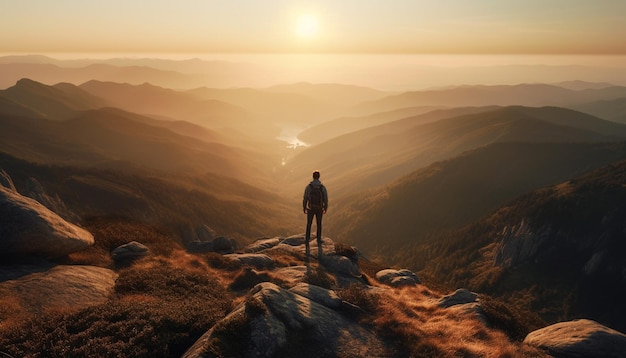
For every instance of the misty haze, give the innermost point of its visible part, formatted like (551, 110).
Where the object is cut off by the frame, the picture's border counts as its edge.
(154, 201)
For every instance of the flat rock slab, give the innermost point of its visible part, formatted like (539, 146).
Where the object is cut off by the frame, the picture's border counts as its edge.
(579, 338)
(63, 286)
(274, 315)
(28, 228)
(258, 261)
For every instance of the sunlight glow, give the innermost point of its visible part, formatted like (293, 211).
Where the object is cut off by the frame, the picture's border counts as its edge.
(307, 26)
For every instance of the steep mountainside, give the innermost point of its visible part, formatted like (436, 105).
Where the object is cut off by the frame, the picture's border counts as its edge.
(377, 155)
(103, 137)
(558, 250)
(180, 203)
(452, 193)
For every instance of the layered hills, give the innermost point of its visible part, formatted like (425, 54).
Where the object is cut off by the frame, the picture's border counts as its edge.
(491, 188)
(455, 192)
(377, 155)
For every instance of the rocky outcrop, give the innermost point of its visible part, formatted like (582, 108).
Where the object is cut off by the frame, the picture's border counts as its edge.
(6, 181)
(61, 287)
(263, 244)
(273, 317)
(130, 251)
(218, 244)
(258, 261)
(29, 228)
(519, 244)
(459, 297)
(579, 338)
(397, 278)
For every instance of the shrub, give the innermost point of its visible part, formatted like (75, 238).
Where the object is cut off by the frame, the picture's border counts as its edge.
(159, 311)
(247, 279)
(218, 261)
(507, 318)
(319, 277)
(359, 296)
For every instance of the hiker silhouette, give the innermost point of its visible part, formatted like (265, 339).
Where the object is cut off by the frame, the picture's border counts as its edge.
(314, 204)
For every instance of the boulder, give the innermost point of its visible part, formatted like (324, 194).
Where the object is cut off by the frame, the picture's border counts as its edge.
(459, 297)
(219, 244)
(579, 338)
(28, 228)
(261, 244)
(67, 287)
(200, 246)
(258, 261)
(293, 240)
(328, 298)
(290, 275)
(279, 322)
(339, 264)
(397, 278)
(224, 245)
(130, 251)
(204, 233)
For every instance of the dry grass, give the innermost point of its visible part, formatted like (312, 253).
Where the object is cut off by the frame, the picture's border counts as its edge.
(162, 306)
(411, 320)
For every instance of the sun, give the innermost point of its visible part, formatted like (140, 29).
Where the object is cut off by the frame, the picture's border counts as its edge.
(307, 26)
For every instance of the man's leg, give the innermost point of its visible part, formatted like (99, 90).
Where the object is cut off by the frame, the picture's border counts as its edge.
(318, 223)
(307, 237)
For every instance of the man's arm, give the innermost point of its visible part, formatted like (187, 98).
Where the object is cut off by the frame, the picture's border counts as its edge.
(325, 192)
(305, 197)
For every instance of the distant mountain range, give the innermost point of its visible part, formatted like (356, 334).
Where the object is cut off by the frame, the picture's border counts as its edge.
(535, 95)
(377, 155)
(404, 171)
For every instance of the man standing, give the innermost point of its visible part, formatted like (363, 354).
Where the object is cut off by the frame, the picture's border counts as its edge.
(314, 203)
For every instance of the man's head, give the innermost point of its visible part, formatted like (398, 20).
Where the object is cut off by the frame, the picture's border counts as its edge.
(316, 175)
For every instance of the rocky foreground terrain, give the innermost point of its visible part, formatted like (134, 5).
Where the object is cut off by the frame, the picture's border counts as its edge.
(281, 302)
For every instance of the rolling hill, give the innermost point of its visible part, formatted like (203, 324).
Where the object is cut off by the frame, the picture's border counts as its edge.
(59, 102)
(344, 125)
(178, 203)
(612, 110)
(157, 101)
(105, 137)
(458, 191)
(375, 156)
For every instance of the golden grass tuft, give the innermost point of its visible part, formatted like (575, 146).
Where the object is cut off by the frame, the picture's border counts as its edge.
(410, 318)
(161, 307)
(12, 312)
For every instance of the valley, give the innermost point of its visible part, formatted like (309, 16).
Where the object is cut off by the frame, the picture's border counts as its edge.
(515, 191)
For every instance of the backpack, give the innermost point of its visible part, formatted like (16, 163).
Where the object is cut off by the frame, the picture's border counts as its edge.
(316, 197)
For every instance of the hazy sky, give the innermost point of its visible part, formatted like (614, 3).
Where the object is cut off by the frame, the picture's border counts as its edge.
(338, 26)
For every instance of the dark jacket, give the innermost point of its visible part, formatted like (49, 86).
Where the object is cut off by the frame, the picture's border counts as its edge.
(307, 192)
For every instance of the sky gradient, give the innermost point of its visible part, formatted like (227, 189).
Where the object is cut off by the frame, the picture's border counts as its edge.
(348, 26)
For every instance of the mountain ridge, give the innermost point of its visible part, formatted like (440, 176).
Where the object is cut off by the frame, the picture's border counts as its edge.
(566, 236)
